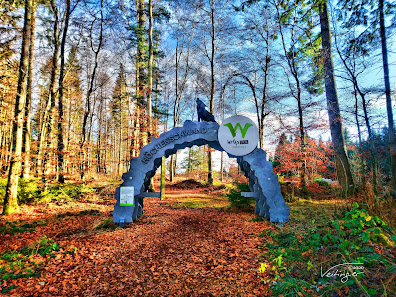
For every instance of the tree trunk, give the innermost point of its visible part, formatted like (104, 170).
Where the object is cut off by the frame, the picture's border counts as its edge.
(140, 64)
(87, 113)
(150, 82)
(163, 177)
(371, 138)
(11, 200)
(42, 137)
(362, 164)
(172, 169)
(344, 173)
(140, 52)
(120, 169)
(291, 61)
(222, 166)
(353, 75)
(99, 142)
(54, 71)
(60, 170)
(27, 125)
(303, 173)
(48, 124)
(212, 85)
(137, 129)
(392, 137)
(265, 88)
(150, 69)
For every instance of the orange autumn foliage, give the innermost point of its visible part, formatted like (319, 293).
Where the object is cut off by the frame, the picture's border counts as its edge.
(290, 158)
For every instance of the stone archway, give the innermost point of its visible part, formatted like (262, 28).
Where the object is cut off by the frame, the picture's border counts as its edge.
(263, 182)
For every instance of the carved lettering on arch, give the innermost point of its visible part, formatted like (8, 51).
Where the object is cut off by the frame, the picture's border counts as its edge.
(147, 156)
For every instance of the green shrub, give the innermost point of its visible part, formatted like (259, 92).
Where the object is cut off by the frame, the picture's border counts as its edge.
(257, 219)
(27, 190)
(50, 194)
(352, 237)
(289, 197)
(73, 190)
(15, 227)
(23, 264)
(3, 185)
(107, 224)
(321, 182)
(58, 192)
(44, 247)
(237, 200)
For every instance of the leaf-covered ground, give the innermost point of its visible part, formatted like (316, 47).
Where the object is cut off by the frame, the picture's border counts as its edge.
(192, 244)
(174, 250)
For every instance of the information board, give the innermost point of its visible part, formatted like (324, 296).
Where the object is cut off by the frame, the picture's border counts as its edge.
(127, 195)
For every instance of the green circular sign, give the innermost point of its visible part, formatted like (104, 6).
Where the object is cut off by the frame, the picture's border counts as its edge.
(238, 135)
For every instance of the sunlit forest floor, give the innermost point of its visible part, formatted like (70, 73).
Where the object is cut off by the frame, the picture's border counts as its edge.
(191, 244)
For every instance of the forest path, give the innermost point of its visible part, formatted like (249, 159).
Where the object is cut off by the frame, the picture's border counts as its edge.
(173, 250)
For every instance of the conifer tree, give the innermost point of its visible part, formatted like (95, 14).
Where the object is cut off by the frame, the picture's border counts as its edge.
(119, 115)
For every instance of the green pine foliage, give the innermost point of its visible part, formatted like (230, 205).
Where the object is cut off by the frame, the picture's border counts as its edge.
(237, 200)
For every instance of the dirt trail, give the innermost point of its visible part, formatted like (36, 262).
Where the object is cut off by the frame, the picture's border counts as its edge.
(170, 251)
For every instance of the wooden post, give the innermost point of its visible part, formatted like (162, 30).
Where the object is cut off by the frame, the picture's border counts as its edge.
(162, 188)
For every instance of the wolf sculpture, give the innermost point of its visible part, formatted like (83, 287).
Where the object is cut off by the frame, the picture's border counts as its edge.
(203, 114)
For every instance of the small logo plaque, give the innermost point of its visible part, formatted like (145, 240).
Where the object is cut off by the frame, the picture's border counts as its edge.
(238, 135)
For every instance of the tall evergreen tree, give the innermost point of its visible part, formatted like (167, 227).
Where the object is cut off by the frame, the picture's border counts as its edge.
(119, 114)
(73, 109)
